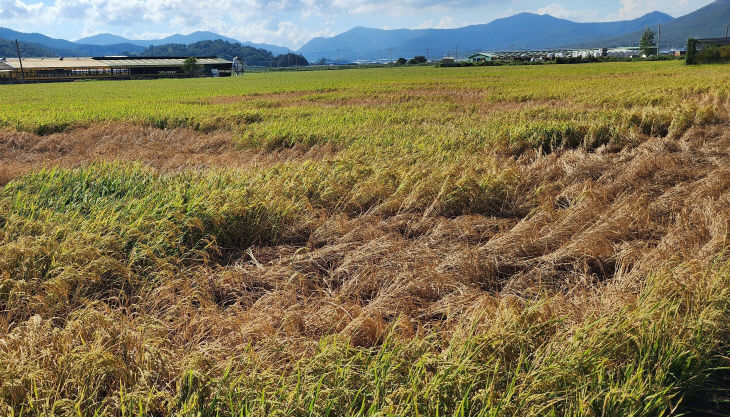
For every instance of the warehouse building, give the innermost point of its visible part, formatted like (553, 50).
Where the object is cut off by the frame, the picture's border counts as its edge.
(481, 57)
(109, 67)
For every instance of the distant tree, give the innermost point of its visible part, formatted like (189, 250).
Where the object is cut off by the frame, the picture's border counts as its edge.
(321, 61)
(646, 44)
(251, 56)
(190, 66)
(290, 60)
(420, 59)
(401, 61)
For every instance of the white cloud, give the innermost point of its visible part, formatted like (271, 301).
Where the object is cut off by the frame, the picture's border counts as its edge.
(16, 9)
(557, 10)
(129, 34)
(446, 22)
(631, 9)
(247, 20)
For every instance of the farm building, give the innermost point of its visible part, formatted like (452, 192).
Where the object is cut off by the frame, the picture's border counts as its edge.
(624, 52)
(481, 57)
(549, 55)
(117, 67)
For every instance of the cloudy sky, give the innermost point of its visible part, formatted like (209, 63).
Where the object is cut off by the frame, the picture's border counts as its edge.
(292, 22)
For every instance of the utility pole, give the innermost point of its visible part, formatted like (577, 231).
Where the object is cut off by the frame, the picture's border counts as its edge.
(658, 39)
(456, 58)
(390, 51)
(727, 28)
(427, 53)
(20, 61)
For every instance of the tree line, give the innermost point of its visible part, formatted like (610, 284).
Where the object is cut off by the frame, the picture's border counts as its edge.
(420, 59)
(251, 56)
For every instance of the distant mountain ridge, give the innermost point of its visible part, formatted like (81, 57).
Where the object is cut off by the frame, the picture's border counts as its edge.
(105, 39)
(62, 47)
(521, 31)
(109, 39)
(708, 22)
(108, 44)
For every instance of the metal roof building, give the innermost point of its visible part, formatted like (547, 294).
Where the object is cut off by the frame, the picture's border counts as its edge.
(110, 67)
(481, 57)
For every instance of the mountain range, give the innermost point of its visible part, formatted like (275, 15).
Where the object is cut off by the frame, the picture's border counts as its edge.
(62, 47)
(521, 31)
(710, 21)
(108, 44)
(108, 39)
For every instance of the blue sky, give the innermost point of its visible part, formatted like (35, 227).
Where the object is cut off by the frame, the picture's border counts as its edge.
(292, 22)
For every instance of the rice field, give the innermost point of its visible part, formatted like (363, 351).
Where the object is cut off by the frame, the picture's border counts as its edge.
(487, 241)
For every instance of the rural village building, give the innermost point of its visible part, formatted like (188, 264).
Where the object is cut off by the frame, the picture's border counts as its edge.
(481, 57)
(541, 55)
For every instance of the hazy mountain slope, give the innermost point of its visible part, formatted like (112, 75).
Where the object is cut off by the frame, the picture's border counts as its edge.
(105, 39)
(63, 47)
(109, 39)
(8, 50)
(37, 38)
(525, 30)
(108, 44)
(708, 22)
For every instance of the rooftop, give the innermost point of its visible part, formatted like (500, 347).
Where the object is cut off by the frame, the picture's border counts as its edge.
(104, 62)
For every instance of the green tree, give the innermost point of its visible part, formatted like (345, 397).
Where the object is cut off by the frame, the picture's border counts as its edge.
(190, 66)
(251, 56)
(401, 61)
(290, 60)
(646, 44)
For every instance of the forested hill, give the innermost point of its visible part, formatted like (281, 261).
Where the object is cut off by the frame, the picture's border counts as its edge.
(7, 49)
(228, 50)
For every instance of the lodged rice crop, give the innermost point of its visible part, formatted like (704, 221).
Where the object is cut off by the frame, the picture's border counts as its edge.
(487, 241)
